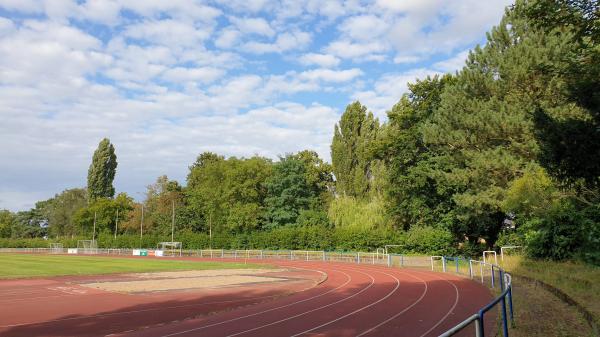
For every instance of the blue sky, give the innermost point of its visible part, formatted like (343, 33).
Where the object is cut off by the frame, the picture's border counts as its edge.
(167, 80)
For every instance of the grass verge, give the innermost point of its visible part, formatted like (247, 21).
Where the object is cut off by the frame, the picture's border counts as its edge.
(538, 309)
(32, 265)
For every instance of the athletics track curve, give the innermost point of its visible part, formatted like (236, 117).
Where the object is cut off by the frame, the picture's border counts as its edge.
(353, 300)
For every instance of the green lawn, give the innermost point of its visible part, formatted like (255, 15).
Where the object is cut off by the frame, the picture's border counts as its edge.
(25, 265)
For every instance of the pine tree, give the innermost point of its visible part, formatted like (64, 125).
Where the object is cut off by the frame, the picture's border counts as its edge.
(102, 172)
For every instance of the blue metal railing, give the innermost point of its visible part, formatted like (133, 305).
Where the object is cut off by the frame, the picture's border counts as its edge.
(505, 297)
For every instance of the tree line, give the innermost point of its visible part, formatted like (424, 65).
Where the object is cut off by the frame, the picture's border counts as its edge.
(504, 151)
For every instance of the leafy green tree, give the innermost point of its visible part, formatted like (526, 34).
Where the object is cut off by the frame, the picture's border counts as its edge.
(6, 222)
(413, 195)
(319, 177)
(102, 171)
(60, 209)
(351, 150)
(227, 194)
(104, 210)
(288, 192)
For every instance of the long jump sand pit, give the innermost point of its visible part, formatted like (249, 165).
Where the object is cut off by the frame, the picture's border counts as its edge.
(186, 280)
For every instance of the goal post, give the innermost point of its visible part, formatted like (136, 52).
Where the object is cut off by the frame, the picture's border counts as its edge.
(56, 248)
(506, 249)
(169, 248)
(87, 246)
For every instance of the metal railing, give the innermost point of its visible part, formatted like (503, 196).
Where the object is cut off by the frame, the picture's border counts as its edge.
(483, 271)
(504, 298)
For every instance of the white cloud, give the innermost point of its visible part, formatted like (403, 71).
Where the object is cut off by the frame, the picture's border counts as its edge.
(228, 38)
(364, 27)
(323, 60)
(284, 42)
(203, 74)
(452, 64)
(329, 75)
(257, 26)
(357, 51)
(168, 33)
(388, 90)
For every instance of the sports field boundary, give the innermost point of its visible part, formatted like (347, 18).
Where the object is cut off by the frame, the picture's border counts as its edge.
(489, 273)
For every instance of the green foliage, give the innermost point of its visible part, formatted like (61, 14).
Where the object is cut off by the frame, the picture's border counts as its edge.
(564, 232)
(530, 195)
(289, 192)
(59, 211)
(104, 212)
(434, 241)
(352, 152)
(6, 223)
(227, 194)
(349, 212)
(102, 171)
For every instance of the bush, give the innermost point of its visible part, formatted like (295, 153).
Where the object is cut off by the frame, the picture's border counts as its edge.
(423, 240)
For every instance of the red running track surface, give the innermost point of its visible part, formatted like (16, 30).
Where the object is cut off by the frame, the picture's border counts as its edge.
(354, 300)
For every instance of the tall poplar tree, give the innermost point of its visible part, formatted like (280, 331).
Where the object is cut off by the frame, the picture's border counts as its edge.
(350, 150)
(102, 171)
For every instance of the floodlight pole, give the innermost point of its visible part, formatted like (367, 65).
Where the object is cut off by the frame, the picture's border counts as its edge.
(116, 223)
(94, 232)
(173, 222)
(142, 226)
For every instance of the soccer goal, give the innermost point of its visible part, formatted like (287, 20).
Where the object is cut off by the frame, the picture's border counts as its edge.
(56, 248)
(169, 248)
(87, 247)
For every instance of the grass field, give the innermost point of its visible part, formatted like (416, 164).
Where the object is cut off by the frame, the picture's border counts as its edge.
(26, 265)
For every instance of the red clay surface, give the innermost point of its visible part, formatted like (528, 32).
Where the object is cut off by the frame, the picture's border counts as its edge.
(353, 300)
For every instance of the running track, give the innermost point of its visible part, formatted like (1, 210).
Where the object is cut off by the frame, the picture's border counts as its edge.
(354, 300)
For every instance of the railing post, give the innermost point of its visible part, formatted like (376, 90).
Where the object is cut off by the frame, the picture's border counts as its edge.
(444, 263)
(235, 254)
(493, 277)
(222, 253)
(510, 306)
(504, 322)
(478, 330)
(480, 323)
(389, 260)
(402, 260)
(324, 257)
(261, 254)
(358, 257)
(470, 269)
(456, 260)
(291, 255)
(307, 255)
(481, 271)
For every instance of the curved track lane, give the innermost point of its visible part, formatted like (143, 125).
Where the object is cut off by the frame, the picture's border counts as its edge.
(355, 300)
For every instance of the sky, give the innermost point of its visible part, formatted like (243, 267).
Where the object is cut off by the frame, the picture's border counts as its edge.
(168, 80)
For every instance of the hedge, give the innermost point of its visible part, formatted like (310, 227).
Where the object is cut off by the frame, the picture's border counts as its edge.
(423, 240)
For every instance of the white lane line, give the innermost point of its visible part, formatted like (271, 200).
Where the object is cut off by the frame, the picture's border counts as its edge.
(312, 310)
(348, 279)
(357, 310)
(401, 312)
(449, 311)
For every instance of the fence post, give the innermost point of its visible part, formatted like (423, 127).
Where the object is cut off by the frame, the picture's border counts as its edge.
(324, 257)
(481, 271)
(456, 259)
(235, 254)
(389, 258)
(493, 277)
(480, 323)
(402, 260)
(444, 263)
(358, 257)
(307, 255)
(510, 306)
(470, 269)
(504, 322)
(222, 253)
(291, 255)
(478, 331)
